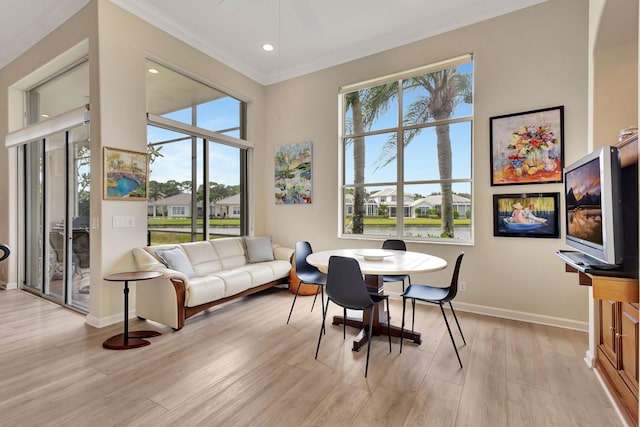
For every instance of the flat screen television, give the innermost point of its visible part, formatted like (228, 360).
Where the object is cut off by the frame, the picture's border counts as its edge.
(594, 207)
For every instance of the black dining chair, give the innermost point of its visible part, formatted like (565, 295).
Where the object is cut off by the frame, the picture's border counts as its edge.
(307, 274)
(346, 288)
(397, 245)
(434, 295)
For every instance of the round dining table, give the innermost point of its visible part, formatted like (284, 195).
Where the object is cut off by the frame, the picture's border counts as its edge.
(375, 263)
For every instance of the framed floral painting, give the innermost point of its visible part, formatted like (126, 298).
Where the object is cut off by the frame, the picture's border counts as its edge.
(527, 148)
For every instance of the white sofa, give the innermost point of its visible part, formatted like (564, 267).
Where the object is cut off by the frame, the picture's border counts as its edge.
(199, 275)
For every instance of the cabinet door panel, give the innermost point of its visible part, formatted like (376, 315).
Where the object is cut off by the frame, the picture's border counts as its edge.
(629, 344)
(608, 329)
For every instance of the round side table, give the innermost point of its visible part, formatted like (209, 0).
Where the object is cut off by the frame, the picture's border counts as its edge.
(128, 339)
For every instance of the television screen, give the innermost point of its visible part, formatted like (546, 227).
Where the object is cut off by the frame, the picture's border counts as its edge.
(584, 206)
(593, 206)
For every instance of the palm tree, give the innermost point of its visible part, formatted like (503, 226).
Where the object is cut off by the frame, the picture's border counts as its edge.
(365, 106)
(447, 88)
(357, 220)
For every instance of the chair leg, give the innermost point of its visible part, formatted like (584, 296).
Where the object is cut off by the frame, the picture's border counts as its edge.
(324, 316)
(294, 302)
(402, 327)
(323, 309)
(344, 324)
(413, 313)
(313, 304)
(366, 368)
(389, 324)
(457, 323)
(450, 334)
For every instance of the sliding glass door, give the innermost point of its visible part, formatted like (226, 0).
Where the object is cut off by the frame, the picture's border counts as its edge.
(57, 217)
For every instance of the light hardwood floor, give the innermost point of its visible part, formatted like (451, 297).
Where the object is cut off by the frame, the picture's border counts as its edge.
(240, 364)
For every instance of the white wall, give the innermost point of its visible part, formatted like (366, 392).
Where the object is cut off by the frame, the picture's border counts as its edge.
(119, 43)
(125, 42)
(76, 30)
(530, 59)
(615, 68)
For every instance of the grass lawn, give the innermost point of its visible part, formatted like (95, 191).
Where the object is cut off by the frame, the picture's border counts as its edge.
(187, 221)
(376, 220)
(369, 220)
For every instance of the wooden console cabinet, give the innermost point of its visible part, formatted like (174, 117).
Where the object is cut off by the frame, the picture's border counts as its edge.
(617, 353)
(617, 358)
(616, 298)
(618, 326)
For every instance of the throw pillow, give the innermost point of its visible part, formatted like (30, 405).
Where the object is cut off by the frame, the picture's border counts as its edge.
(259, 249)
(176, 259)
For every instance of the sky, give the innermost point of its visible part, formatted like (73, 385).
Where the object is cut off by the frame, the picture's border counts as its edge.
(420, 156)
(420, 161)
(176, 163)
(585, 179)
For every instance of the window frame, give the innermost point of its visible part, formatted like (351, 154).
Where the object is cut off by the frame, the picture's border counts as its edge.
(400, 128)
(205, 137)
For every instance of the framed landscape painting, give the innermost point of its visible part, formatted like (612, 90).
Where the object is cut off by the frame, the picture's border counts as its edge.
(126, 174)
(526, 215)
(527, 148)
(293, 174)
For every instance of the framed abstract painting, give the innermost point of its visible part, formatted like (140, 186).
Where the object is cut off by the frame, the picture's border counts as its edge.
(293, 174)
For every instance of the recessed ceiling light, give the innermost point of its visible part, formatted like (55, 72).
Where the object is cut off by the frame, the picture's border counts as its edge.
(268, 47)
(153, 71)
(44, 115)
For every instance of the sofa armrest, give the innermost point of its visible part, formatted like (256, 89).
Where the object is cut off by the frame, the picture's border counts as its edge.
(161, 300)
(282, 253)
(147, 262)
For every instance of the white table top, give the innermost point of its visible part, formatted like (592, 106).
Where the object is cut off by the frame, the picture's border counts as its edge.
(399, 262)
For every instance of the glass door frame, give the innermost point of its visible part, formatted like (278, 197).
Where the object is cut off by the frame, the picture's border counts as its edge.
(36, 278)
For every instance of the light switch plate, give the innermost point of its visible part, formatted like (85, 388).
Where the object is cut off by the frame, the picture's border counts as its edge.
(120, 221)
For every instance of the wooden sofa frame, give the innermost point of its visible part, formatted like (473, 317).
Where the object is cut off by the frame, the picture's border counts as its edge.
(186, 312)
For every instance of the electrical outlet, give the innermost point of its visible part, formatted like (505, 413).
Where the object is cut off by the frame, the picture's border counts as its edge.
(462, 286)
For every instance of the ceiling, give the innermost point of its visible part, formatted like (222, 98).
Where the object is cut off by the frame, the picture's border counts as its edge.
(308, 35)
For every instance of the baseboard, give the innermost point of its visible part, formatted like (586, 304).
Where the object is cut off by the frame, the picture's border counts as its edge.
(8, 285)
(518, 315)
(101, 322)
(590, 359)
(612, 399)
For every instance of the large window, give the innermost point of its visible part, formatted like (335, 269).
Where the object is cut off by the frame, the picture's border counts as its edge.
(406, 144)
(198, 159)
(55, 176)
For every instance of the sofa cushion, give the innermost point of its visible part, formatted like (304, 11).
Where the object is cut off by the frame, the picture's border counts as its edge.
(235, 281)
(259, 249)
(203, 257)
(279, 268)
(176, 259)
(231, 252)
(202, 290)
(260, 273)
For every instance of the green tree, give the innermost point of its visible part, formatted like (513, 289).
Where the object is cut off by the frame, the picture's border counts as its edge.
(354, 103)
(218, 191)
(446, 89)
(383, 210)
